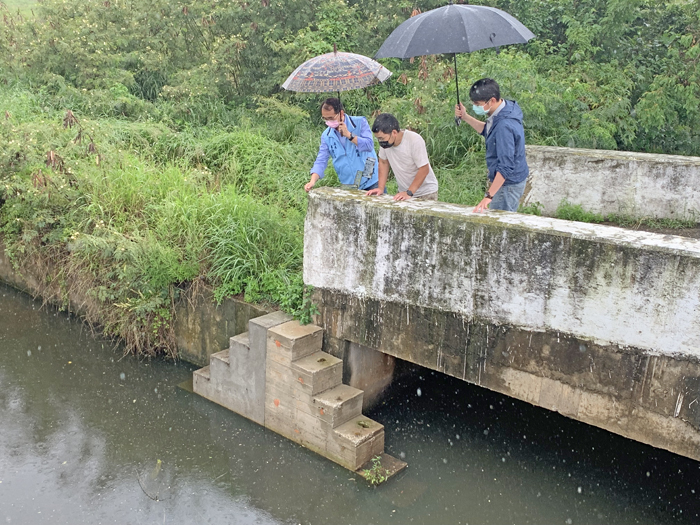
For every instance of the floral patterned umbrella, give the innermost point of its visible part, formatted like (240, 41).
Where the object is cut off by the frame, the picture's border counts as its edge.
(336, 72)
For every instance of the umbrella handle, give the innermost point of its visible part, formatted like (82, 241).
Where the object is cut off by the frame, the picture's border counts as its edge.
(458, 120)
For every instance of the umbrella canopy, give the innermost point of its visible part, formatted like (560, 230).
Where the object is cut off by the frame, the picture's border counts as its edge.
(336, 72)
(454, 29)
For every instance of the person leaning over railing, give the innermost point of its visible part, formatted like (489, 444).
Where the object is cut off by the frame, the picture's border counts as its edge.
(505, 144)
(405, 153)
(348, 141)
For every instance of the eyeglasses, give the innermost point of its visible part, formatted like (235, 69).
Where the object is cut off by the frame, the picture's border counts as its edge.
(334, 117)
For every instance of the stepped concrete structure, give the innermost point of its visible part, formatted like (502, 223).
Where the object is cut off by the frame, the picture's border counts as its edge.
(277, 375)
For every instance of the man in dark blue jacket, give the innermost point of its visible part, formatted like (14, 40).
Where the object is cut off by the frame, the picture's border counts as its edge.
(505, 144)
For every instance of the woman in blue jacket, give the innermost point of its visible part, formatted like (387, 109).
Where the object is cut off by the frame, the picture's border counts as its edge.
(505, 144)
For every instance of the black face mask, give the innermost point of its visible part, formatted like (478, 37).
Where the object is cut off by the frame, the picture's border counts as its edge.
(385, 144)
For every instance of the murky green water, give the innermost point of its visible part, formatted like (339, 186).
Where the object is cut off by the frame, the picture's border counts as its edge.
(89, 437)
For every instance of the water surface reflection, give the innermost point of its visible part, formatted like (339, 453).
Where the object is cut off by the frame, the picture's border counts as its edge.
(89, 437)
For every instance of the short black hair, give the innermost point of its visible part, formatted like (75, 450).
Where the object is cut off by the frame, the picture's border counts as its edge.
(332, 103)
(385, 123)
(484, 90)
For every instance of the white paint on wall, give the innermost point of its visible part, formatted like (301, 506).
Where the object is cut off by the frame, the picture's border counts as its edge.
(614, 182)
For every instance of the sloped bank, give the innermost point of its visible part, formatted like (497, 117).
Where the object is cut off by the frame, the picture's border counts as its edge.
(200, 326)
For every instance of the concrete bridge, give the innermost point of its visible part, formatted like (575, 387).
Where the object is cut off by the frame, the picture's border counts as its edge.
(598, 323)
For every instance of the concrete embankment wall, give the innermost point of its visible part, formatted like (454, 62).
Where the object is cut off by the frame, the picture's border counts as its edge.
(201, 327)
(598, 323)
(614, 182)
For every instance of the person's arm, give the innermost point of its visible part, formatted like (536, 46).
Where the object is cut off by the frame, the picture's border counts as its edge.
(319, 167)
(364, 140)
(383, 175)
(498, 181)
(478, 125)
(418, 180)
(505, 152)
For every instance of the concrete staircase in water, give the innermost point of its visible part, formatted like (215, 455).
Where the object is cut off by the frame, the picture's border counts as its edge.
(277, 375)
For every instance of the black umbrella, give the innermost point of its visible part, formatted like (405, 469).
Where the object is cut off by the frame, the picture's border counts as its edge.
(454, 29)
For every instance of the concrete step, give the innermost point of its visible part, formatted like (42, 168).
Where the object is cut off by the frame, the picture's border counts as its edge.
(200, 381)
(339, 404)
(291, 341)
(207, 386)
(354, 443)
(317, 372)
(277, 375)
(219, 370)
(202, 373)
(220, 356)
(239, 342)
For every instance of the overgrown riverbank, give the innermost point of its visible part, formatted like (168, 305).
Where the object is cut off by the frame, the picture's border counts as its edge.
(132, 213)
(145, 149)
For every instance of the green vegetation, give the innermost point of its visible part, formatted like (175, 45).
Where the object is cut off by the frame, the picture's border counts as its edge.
(23, 7)
(574, 212)
(147, 148)
(535, 208)
(377, 474)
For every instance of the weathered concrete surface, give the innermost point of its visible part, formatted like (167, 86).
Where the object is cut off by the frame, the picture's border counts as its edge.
(598, 323)
(614, 182)
(370, 371)
(303, 397)
(203, 327)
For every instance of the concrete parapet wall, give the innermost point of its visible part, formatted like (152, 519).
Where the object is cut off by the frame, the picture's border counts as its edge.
(614, 182)
(598, 323)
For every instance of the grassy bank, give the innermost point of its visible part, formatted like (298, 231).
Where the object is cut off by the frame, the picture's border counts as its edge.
(133, 212)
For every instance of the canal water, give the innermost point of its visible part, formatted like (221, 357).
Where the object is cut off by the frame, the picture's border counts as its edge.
(88, 436)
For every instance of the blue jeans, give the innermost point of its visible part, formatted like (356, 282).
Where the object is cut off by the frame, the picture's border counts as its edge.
(508, 197)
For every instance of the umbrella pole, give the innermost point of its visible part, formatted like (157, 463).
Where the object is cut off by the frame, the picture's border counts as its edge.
(458, 120)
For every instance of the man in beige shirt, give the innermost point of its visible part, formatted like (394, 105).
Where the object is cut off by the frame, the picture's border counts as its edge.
(405, 153)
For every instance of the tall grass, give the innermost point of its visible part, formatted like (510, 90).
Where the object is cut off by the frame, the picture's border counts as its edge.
(132, 211)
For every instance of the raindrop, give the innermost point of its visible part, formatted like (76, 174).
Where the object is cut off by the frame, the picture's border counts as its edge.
(39, 347)
(444, 460)
(402, 455)
(579, 490)
(503, 460)
(419, 392)
(29, 353)
(648, 474)
(486, 432)
(155, 390)
(568, 521)
(491, 407)
(122, 376)
(457, 436)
